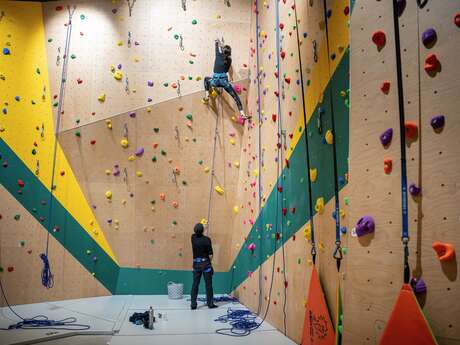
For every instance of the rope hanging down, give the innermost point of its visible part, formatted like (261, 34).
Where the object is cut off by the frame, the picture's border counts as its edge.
(310, 197)
(338, 256)
(404, 214)
(47, 276)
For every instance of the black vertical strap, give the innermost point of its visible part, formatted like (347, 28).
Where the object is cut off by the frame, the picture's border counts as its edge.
(310, 197)
(402, 130)
(338, 256)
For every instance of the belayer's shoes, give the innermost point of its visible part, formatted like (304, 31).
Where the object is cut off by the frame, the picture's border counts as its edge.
(212, 306)
(205, 100)
(193, 307)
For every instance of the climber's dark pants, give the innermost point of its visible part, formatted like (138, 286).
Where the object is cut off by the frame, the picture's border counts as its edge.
(221, 80)
(202, 268)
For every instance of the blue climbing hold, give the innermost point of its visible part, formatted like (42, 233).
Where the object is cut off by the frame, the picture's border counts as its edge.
(17, 98)
(6, 51)
(343, 229)
(5, 111)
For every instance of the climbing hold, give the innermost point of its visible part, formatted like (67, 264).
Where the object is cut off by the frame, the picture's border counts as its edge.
(93, 142)
(307, 232)
(139, 173)
(387, 165)
(429, 37)
(6, 51)
(108, 123)
(162, 196)
(139, 151)
(118, 75)
(252, 247)
(235, 209)
(329, 137)
(10, 269)
(414, 190)
(194, 22)
(418, 285)
(386, 137)
(431, 63)
(365, 225)
(219, 190)
(207, 169)
(379, 39)
(175, 204)
(437, 122)
(124, 142)
(411, 130)
(343, 229)
(385, 87)
(21, 183)
(457, 19)
(17, 217)
(237, 88)
(319, 206)
(445, 251)
(108, 195)
(313, 174)
(101, 98)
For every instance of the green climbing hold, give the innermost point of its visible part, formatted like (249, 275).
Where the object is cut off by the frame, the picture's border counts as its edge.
(77, 134)
(299, 261)
(200, 162)
(34, 210)
(308, 82)
(189, 117)
(55, 104)
(152, 241)
(294, 98)
(73, 56)
(34, 152)
(163, 152)
(344, 250)
(156, 129)
(22, 243)
(346, 200)
(153, 202)
(50, 40)
(17, 217)
(184, 183)
(38, 70)
(82, 16)
(194, 22)
(77, 121)
(154, 158)
(190, 77)
(174, 222)
(165, 84)
(176, 36)
(190, 62)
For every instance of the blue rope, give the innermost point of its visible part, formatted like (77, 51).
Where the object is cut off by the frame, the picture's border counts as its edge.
(47, 276)
(242, 322)
(220, 299)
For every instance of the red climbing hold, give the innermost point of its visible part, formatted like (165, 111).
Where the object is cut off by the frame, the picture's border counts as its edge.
(385, 87)
(387, 165)
(346, 10)
(283, 54)
(92, 142)
(59, 8)
(287, 80)
(287, 162)
(281, 26)
(431, 63)
(457, 19)
(280, 189)
(274, 117)
(445, 251)
(379, 38)
(284, 210)
(411, 130)
(10, 269)
(20, 183)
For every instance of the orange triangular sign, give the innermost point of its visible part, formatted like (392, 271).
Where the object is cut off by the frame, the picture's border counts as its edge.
(317, 327)
(407, 325)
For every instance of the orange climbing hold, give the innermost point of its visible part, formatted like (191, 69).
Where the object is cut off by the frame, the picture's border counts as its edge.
(317, 327)
(445, 251)
(387, 165)
(411, 129)
(407, 325)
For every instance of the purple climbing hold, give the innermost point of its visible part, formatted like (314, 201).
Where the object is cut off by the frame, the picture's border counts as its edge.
(149, 99)
(132, 114)
(385, 137)
(139, 151)
(400, 6)
(414, 190)
(119, 66)
(429, 37)
(150, 83)
(114, 10)
(365, 225)
(418, 285)
(116, 170)
(438, 121)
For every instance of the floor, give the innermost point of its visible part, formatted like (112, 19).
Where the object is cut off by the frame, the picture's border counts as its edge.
(108, 317)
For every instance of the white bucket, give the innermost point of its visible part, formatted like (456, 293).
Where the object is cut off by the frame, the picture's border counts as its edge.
(175, 290)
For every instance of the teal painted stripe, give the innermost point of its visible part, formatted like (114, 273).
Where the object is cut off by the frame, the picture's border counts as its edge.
(35, 198)
(295, 181)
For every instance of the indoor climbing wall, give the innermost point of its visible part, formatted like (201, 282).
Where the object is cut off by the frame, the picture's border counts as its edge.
(28, 209)
(263, 275)
(429, 41)
(147, 175)
(126, 55)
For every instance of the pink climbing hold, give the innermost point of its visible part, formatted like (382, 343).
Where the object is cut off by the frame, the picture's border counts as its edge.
(20, 183)
(237, 88)
(252, 247)
(379, 39)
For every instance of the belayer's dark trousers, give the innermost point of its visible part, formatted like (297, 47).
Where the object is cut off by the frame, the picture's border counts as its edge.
(196, 283)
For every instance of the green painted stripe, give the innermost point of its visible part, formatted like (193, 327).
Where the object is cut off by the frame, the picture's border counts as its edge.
(295, 181)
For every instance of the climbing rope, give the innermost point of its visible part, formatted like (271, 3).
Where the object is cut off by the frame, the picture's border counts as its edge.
(338, 255)
(211, 183)
(307, 150)
(404, 213)
(281, 145)
(47, 276)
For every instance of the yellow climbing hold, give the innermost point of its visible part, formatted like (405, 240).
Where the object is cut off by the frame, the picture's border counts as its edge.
(149, 109)
(108, 123)
(213, 93)
(101, 97)
(120, 43)
(131, 158)
(329, 137)
(307, 232)
(236, 209)
(139, 173)
(124, 142)
(108, 194)
(118, 75)
(112, 68)
(313, 174)
(203, 221)
(319, 207)
(219, 190)
(255, 172)
(236, 164)
(2, 129)
(342, 213)
(107, 171)
(232, 141)
(206, 169)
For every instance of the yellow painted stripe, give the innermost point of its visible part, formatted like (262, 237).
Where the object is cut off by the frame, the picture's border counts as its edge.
(338, 41)
(25, 75)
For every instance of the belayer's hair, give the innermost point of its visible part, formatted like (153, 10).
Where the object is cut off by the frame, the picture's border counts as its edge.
(199, 229)
(227, 52)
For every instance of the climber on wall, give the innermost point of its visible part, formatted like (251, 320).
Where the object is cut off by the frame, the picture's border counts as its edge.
(222, 64)
(202, 257)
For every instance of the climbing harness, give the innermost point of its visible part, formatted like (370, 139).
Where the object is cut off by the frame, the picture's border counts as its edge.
(307, 149)
(179, 93)
(46, 272)
(130, 6)
(337, 255)
(127, 85)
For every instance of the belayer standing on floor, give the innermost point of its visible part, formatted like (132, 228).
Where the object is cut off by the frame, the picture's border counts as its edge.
(222, 64)
(202, 257)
